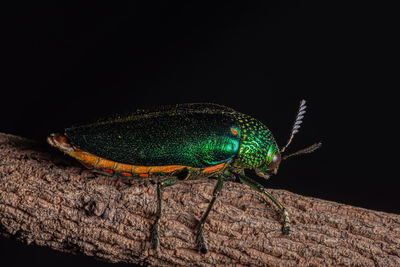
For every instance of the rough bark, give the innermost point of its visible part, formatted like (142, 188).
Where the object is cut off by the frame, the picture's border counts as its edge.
(49, 200)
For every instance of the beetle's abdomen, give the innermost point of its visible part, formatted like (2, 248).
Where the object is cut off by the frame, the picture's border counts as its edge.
(196, 140)
(91, 161)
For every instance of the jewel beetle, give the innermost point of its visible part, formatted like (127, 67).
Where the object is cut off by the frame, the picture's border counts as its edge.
(182, 142)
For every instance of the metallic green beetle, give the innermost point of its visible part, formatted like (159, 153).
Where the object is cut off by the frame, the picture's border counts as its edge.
(182, 142)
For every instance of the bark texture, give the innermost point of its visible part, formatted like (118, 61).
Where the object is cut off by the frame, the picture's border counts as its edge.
(49, 200)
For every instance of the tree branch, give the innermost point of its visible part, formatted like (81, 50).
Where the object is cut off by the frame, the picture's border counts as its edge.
(49, 200)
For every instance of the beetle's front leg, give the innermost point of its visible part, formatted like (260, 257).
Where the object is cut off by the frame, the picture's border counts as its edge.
(154, 231)
(255, 185)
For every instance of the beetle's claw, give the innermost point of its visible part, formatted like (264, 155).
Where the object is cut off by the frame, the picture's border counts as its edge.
(286, 229)
(203, 248)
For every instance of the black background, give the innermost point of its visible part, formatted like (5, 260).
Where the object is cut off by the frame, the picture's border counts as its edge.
(64, 64)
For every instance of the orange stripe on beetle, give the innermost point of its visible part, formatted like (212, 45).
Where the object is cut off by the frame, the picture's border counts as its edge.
(165, 169)
(88, 158)
(107, 164)
(122, 167)
(214, 168)
(140, 169)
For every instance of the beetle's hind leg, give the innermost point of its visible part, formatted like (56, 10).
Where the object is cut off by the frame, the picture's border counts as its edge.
(154, 230)
(200, 237)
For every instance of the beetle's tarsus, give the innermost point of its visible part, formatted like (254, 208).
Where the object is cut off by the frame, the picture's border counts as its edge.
(155, 243)
(286, 223)
(200, 240)
(286, 230)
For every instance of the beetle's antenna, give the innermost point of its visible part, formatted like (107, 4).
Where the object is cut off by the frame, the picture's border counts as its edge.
(306, 150)
(297, 123)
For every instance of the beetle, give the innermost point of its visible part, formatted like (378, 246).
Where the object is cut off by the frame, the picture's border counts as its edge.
(182, 142)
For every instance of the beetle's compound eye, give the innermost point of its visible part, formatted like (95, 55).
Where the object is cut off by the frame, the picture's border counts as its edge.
(276, 160)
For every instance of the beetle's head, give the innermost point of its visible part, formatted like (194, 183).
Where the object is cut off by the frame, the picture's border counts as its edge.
(276, 155)
(271, 163)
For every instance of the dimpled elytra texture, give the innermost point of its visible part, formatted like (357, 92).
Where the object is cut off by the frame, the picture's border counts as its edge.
(191, 135)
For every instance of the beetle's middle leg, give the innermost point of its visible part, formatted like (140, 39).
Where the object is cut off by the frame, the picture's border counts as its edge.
(154, 231)
(200, 238)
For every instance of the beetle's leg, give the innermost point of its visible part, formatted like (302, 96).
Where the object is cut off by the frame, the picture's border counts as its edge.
(102, 172)
(154, 231)
(200, 238)
(253, 184)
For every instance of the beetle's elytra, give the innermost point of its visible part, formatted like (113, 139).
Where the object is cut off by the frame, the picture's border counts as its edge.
(182, 142)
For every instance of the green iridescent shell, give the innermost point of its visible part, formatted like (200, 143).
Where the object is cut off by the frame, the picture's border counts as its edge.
(196, 135)
(257, 145)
